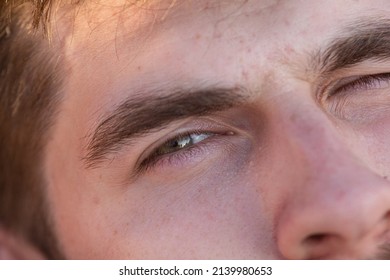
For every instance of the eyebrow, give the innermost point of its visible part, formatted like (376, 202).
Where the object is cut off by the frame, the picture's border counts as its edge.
(360, 40)
(147, 112)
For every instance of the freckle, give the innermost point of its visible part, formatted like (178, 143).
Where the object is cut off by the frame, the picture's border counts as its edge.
(244, 74)
(385, 177)
(289, 49)
(207, 6)
(139, 68)
(218, 35)
(198, 36)
(115, 232)
(96, 200)
(303, 33)
(210, 217)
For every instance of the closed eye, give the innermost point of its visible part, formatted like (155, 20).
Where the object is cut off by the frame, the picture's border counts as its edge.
(362, 99)
(361, 83)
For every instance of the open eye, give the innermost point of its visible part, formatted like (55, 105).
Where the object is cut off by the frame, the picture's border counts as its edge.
(177, 147)
(181, 142)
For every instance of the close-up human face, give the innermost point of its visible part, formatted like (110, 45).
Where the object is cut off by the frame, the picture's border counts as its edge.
(222, 130)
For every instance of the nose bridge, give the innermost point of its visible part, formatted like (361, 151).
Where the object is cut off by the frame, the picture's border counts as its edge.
(323, 149)
(335, 195)
(331, 169)
(314, 136)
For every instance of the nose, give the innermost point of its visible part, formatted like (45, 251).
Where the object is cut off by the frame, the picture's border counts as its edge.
(336, 207)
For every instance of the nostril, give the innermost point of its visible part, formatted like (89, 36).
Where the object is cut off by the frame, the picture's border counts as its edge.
(320, 245)
(315, 239)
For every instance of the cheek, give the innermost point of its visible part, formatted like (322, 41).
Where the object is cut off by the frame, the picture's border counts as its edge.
(218, 215)
(208, 217)
(375, 142)
(78, 219)
(223, 211)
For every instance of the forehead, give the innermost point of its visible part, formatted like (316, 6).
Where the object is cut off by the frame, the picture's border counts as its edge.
(126, 30)
(105, 20)
(113, 48)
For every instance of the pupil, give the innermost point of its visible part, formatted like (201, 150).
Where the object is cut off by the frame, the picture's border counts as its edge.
(182, 142)
(175, 145)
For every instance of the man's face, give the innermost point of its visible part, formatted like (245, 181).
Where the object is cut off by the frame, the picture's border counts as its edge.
(223, 129)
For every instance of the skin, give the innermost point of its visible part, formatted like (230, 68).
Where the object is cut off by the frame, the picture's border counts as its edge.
(285, 175)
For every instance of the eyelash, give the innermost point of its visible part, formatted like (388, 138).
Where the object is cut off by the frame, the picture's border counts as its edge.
(155, 158)
(361, 83)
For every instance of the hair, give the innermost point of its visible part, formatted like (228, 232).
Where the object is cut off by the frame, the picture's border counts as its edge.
(29, 86)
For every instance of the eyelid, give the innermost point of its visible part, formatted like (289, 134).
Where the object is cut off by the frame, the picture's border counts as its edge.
(151, 160)
(199, 126)
(348, 83)
(358, 99)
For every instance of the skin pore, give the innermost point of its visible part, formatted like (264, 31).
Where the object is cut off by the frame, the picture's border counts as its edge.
(261, 138)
